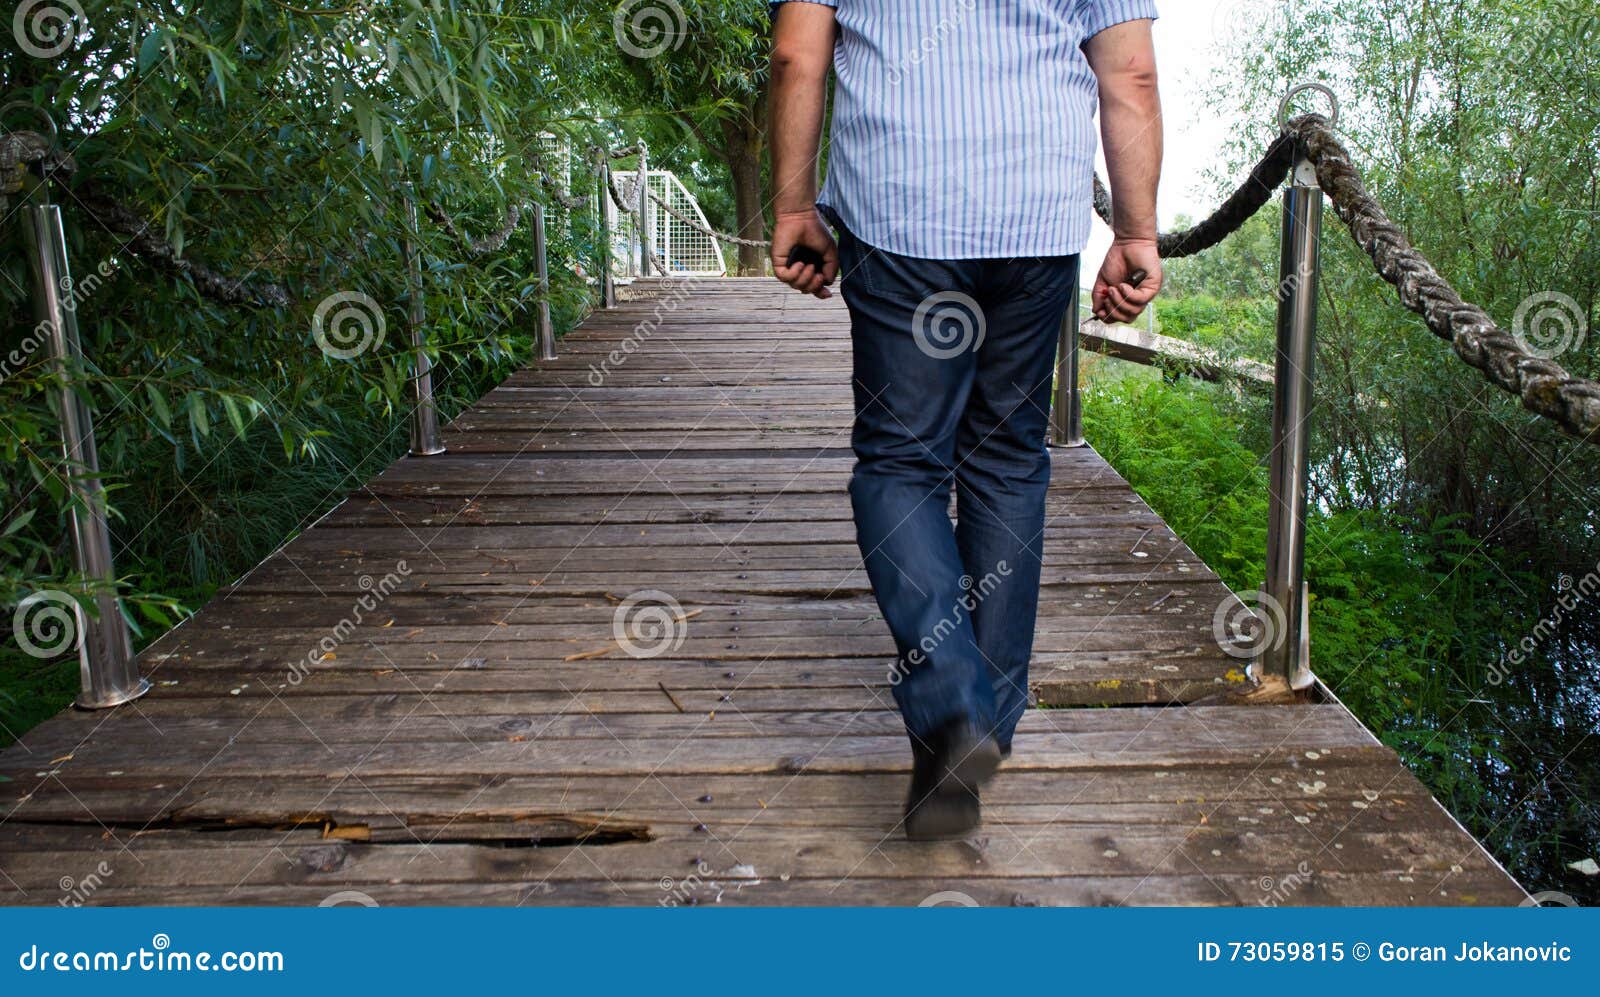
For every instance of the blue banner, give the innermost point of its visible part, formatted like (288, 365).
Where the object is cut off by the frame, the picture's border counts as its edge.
(173, 951)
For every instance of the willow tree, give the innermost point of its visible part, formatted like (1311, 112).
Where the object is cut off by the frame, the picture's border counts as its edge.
(703, 63)
(1477, 125)
(269, 143)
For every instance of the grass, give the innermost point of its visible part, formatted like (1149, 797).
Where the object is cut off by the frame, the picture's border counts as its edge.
(1407, 619)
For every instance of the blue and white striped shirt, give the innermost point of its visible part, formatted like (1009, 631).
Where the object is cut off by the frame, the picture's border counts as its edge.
(964, 129)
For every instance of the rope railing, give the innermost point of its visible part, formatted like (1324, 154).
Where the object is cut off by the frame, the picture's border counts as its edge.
(22, 152)
(1312, 164)
(31, 163)
(491, 243)
(1306, 153)
(626, 202)
(1544, 386)
(1241, 205)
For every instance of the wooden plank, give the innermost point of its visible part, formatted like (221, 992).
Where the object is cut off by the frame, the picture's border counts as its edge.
(479, 735)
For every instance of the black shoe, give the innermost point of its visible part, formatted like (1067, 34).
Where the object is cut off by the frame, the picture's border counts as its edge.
(945, 778)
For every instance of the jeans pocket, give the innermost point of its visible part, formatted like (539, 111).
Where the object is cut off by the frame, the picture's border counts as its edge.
(1045, 277)
(907, 280)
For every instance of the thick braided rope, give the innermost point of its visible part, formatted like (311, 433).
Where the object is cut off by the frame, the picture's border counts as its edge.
(145, 242)
(624, 202)
(491, 243)
(20, 151)
(698, 227)
(1244, 202)
(1544, 386)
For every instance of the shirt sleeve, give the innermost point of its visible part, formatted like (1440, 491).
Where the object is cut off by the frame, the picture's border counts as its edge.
(773, 5)
(1098, 15)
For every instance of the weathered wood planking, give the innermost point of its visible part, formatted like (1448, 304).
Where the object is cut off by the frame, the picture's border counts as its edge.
(477, 734)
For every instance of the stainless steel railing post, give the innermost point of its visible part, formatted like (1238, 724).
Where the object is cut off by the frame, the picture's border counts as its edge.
(1066, 415)
(541, 252)
(1284, 648)
(642, 212)
(608, 283)
(425, 440)
(109, 675)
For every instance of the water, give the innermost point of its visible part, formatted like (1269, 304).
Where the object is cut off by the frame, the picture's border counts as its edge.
(1524, 772)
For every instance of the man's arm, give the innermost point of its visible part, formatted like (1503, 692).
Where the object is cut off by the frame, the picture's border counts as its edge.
(1124, 60)
(802, 52)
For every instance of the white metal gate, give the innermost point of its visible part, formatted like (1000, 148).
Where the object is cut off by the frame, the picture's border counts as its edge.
(684, 249)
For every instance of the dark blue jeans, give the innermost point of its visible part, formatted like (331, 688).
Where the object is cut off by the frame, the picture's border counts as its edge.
(953, 372)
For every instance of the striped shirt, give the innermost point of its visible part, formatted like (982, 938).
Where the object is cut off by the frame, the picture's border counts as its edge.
(964, 129)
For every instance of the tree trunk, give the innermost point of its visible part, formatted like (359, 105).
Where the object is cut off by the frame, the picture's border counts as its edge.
(744, 147)
(748, 204)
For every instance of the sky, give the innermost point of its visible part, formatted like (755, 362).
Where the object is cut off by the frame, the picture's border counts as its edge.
(1187, 36)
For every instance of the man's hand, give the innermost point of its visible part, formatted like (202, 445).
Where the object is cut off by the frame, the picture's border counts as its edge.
(807, 272)
(804, 255)
(1118, 297)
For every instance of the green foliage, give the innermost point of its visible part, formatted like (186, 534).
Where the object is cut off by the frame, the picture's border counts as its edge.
(272, 144)
(693, 76)
(1229, 327)
(1178, 448)
(1477, 124)
(1407, 618)
(1443, 512)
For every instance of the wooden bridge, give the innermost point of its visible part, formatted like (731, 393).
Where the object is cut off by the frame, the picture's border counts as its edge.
(429, 697)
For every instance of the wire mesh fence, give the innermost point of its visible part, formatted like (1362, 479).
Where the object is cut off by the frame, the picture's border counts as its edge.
(684, 249)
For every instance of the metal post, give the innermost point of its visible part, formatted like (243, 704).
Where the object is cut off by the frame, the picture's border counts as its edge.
(642, 211)
(608, 283)
(109, 676)
(424, 413)
(541, 253)
(1066, 416)
(1284, 651)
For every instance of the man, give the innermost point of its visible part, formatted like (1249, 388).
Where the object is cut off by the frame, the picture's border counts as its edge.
(959, 180)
